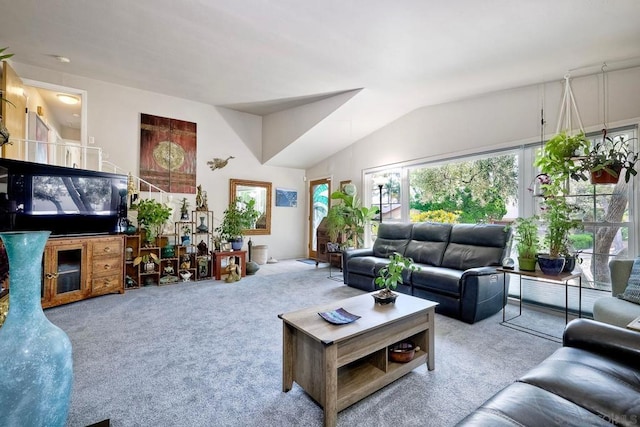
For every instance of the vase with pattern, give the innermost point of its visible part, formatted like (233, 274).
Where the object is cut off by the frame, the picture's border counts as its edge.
(36, 371)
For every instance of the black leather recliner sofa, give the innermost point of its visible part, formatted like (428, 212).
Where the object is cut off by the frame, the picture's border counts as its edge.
(593, 380)
(457, 265)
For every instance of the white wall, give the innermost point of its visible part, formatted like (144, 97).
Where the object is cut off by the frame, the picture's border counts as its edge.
(494, 120)
(114, 122)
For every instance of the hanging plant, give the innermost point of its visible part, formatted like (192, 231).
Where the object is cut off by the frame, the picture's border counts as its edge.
(610, 156)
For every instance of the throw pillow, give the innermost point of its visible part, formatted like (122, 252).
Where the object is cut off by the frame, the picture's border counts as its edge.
(632, 291)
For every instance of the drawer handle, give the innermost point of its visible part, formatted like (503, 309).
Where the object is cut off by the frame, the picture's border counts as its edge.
(107, 266)
(51, 276)
(107, 281)
(107, 249)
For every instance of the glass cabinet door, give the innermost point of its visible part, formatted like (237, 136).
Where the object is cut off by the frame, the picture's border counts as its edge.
(64, 272)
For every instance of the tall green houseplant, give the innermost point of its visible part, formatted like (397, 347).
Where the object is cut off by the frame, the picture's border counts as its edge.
(347, 219)
(527, 242)
(238, 217)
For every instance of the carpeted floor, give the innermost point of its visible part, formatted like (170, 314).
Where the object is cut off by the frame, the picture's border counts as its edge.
(209, 354)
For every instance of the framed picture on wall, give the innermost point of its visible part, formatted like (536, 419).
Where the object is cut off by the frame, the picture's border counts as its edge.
(286, 198)
(343, 183)
(39, 139)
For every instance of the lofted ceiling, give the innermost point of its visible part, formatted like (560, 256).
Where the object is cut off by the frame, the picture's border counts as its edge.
(263, 57)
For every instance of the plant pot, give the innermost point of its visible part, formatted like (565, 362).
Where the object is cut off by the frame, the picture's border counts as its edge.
(384, 297)
(604, 177)
(569, 264)
(236, 244)
(527, 264)
(551, 266)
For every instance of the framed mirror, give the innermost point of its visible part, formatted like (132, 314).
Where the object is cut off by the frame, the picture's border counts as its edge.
(244, 191)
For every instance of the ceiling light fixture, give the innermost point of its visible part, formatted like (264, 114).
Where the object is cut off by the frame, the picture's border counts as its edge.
(68, 99)
(63, 59)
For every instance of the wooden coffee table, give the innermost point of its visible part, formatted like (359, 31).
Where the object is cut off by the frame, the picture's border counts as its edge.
(337, 365)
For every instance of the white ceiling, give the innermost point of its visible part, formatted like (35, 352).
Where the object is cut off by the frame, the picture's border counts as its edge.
(261, 56)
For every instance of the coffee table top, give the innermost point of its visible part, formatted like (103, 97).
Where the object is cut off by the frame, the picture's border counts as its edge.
(372, 315)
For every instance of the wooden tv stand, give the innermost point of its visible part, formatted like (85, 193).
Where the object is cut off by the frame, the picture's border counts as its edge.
(338, 365)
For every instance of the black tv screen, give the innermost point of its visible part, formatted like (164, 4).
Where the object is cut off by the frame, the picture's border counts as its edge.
(65, 201)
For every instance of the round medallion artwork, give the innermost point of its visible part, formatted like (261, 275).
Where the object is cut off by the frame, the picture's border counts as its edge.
(169, 155)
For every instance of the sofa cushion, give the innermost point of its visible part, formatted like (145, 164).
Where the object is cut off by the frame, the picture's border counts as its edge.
(525, 405)
(392, 237)
(439, 279)
(595, 382)
(428, 243)
(632, 291)
(476, 245)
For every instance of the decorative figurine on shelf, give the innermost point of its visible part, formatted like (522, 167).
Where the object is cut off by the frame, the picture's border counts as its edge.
(184, 210)
(202, 228)
(186, 275)
(185, 262)
(232, 270)
(202, 248)
(201, 200)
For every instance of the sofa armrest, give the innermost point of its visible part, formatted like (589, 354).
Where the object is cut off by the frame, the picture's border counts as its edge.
(481, 293)
(479, 271)
(601, 338)
(352, 253)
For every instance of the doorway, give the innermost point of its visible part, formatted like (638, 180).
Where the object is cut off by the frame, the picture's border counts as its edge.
(319, 191)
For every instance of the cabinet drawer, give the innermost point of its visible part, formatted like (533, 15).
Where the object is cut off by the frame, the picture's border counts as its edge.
(111, 266)
(105, 285)
(108, 247)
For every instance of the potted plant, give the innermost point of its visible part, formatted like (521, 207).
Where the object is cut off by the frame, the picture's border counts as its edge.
(559, 158)
(346, 221)
(527, 242)
(607, 158)
(152, 215)
(557, 214)
(238, 217)
(390, 276)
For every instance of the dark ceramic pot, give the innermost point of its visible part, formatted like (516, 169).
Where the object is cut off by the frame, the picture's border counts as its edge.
(550, 266)
(386, 298)
(569, 264)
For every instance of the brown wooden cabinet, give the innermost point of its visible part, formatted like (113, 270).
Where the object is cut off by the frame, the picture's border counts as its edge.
(75, 268)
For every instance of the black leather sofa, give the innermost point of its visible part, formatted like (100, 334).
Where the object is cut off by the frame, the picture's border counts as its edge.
(593, 380)
(457, 265)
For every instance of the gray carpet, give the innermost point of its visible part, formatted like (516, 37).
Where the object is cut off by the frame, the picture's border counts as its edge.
(209, 354)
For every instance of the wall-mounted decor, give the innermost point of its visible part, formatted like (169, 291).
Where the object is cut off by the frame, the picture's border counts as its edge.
(287, 198)
(168, 153)
(343, 183)
(39, 137)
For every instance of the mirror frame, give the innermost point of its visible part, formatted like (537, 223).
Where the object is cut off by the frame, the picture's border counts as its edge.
(233, 185)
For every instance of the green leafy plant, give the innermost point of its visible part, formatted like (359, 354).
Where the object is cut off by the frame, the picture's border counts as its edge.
(184, 208)
(557, 214)
(526, 236)
(559, 158)
(611, 155)
(238, 217)
(346, 220)
(390, 275)
(152, 215)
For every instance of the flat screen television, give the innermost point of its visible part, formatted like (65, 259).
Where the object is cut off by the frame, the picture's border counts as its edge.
(65, 201)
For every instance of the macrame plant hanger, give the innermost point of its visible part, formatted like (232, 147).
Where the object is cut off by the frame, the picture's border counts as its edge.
(568, 101)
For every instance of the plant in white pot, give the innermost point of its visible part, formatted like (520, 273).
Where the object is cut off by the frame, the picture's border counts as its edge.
(390, 276)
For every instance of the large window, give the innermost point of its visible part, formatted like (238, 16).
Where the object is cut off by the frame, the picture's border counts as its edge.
(499, 187)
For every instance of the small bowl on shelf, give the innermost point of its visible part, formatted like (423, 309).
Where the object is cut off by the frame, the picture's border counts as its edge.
(402, 352)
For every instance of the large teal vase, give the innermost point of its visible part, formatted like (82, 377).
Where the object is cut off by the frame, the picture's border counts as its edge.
(36, 368)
